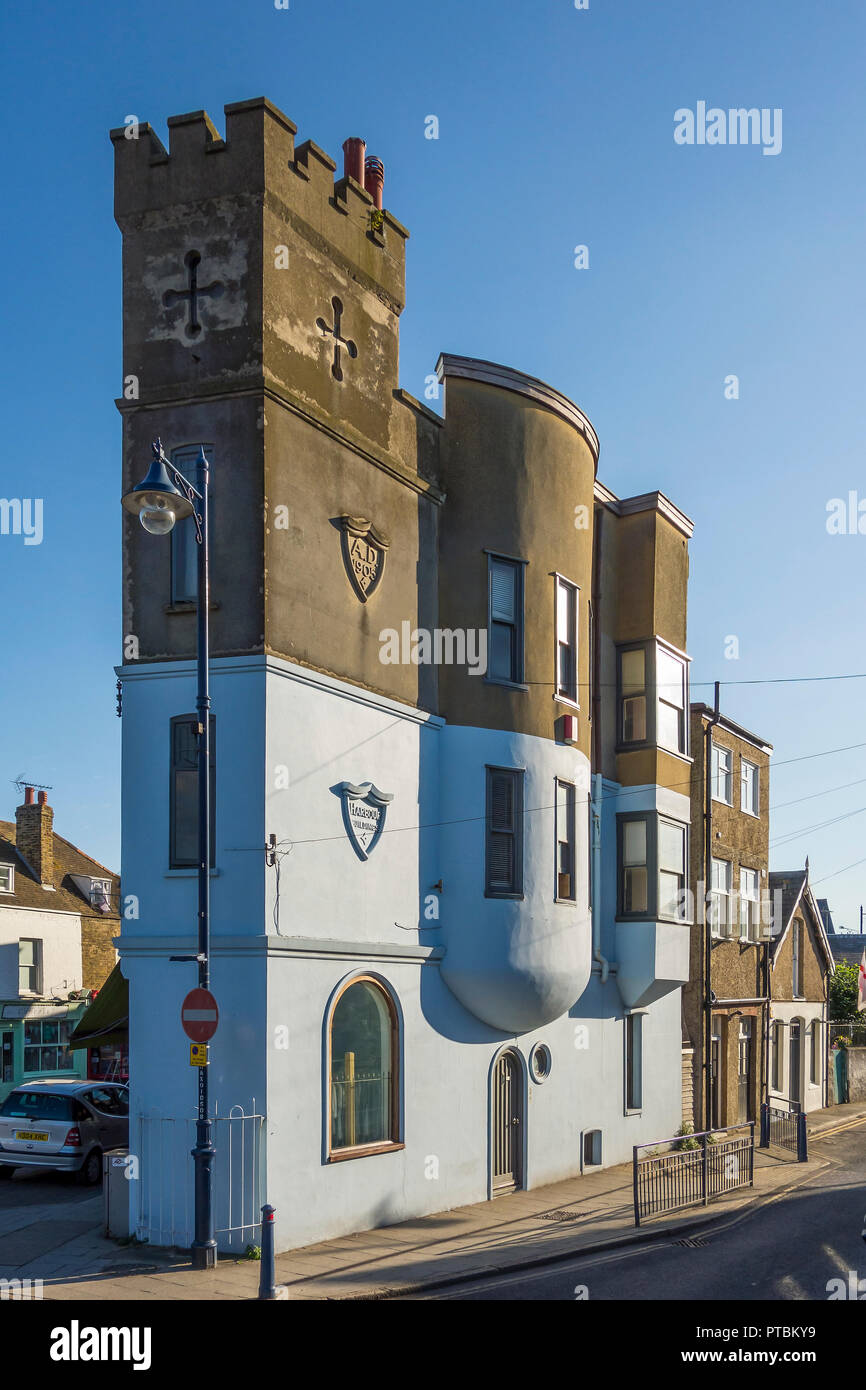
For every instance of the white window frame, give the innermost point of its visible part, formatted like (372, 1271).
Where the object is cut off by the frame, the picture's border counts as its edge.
(566, 634)
(9, 869)
(681, 708)
(750, 777)
(750, 905)
(35, 965)
(717, 750)
(721, 924)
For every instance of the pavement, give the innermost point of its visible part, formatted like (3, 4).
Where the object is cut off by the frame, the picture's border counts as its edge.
(61, 1242)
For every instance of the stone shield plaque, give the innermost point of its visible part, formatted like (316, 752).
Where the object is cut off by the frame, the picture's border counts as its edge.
(364, 551)
(364, 809)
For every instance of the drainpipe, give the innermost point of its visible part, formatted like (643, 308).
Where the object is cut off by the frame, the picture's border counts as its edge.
(767, 1004)
(595, 808)
(595, 816)
(708, 940)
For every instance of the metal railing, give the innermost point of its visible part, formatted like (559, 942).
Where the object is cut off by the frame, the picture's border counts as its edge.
(784, 1128)
(165, 1188)
(689, 1170)
(853, 1034)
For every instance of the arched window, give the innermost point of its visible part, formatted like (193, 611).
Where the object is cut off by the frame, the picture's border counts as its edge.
(815, 1052)
(364, 1065)
(777, 1056)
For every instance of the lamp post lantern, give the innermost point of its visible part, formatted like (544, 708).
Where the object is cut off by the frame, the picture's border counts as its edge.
(159, 500)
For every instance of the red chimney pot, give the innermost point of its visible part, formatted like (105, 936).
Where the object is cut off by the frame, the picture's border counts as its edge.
(374, 178)
(28, 796)
(353, 158)
(43, 797)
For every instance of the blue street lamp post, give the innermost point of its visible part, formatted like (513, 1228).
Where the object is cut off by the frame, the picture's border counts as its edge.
(162, 498)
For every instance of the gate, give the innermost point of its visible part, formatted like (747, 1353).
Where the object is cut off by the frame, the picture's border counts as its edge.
(165, 1182)
(784, 1128)
(507, 1126)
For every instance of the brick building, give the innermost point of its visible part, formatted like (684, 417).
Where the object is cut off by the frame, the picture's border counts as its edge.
(725, 1015)
(58, 917)
(801, 966)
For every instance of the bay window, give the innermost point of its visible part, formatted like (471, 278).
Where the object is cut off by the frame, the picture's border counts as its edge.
(653, 866)
(652, 697)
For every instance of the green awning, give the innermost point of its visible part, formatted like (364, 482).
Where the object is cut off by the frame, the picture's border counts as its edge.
(106, 1020)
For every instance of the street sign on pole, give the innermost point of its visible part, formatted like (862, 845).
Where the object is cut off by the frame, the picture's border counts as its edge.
(199, 1015)
(198, 1055)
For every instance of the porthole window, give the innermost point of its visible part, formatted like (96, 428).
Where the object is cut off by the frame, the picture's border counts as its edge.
(539, 1062)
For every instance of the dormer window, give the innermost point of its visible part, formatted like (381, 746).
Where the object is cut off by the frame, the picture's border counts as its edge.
(7, 878)
(100, 894)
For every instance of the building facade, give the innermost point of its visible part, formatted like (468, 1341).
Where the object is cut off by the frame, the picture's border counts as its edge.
(725, 1003)
(58, 918)
(450, 718)
(801, 966)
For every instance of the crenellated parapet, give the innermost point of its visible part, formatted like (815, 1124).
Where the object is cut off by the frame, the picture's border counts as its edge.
(257, 157)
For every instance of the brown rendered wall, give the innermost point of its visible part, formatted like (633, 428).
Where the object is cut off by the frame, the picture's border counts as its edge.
(313, 615)
(643, 580)
(815, 977)
(513, 473)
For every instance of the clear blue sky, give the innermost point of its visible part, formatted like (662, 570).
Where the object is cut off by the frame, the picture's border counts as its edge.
(556, 129)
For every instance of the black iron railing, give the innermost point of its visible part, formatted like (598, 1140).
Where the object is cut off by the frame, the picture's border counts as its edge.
(784, 1128)
(688, 1171)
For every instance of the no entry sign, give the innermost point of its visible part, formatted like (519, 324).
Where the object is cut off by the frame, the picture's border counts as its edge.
(199, 1015)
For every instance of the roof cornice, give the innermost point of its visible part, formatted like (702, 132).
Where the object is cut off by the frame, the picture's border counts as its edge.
(508, 379)
(645, 502)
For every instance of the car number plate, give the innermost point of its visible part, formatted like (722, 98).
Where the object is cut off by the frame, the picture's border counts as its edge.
(29, 1134)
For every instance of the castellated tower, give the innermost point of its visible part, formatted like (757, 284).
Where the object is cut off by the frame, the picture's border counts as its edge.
(261, 317)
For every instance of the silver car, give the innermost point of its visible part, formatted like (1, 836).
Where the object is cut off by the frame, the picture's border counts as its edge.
(64, 1125)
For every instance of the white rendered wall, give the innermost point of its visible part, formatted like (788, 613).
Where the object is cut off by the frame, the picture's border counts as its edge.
(60, 934)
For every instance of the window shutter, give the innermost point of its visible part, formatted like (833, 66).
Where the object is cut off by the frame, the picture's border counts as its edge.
(501, 801)
(503, 605)
(501, 861)
(503, 838)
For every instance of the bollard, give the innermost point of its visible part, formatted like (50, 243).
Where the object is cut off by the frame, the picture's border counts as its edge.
(267, 1286)
(802, 1142)
(765, 1126)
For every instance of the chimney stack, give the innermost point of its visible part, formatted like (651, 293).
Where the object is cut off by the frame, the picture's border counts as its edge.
(34, 835)
(353, 159)
(374, 179)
